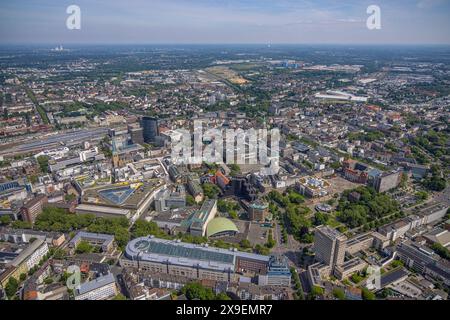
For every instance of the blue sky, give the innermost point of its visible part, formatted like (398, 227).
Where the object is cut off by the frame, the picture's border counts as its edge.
(225, 21)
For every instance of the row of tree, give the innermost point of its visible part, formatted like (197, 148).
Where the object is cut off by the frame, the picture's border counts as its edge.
(197, 291)
(295, 217)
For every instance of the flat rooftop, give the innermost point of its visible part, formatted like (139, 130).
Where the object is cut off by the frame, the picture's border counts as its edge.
(129, 196)
(331, 233)
(95, 284)
(102, 209)
(181, 253)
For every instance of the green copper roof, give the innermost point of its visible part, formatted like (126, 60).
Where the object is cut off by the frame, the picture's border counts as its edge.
(259, 205)
(220, 224)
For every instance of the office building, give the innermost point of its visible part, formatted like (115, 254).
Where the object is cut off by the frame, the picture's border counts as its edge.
(20, 236)
(387, 181)
(101, 288)
(33, 208)
(104, 241)
(136, 134)
(177, 198)
(150, 129)
(360, 242)
(329, 246)
(243, 188)
(278, 272)
(167, 199)
(349, 267)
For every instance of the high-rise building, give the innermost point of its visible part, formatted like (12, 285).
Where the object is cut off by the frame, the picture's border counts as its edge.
(150, 129)
(244, 189)
(33, 208)
(278, 272)
(329, 246)
(258, 211)
(387, 181)
(136, 134)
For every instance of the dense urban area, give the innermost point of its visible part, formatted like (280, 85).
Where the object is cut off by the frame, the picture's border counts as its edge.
(94, 207)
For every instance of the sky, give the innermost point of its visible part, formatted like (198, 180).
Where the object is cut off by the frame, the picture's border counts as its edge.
(225, 21)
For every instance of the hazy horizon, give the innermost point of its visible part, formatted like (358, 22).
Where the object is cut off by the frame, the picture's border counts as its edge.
(403, 22)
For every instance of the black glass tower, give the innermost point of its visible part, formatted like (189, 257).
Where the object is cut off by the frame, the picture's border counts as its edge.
(150, 129)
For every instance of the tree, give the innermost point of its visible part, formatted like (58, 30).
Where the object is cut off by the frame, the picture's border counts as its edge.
(59, 254)
(57, 219)
(245, 244)
(43, 163)
(5, 220)
(339, 293)
(230, 207)
(233, 214)
(278, 198)
(261, 249)
(120, 297)
(299, 295)
(195, 290)
(222, 296)
(403, 180)
(320, 218)
(435, 183)
(295, 197)
(422, 195)
(335, 165)
(190, 201)
(142, 228)
(270, 240)
(48, 280)
(83, 247)
(316, 291)
(23, 276)
(18, 224)
(371, 206)
(122, 236)
(211, 190)
(442, 251)
(367, 294)
(396, 264)
(234, 169)
(356, 278)
(386, 292)
(222, 205)
(11, 287)
(70, 197)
